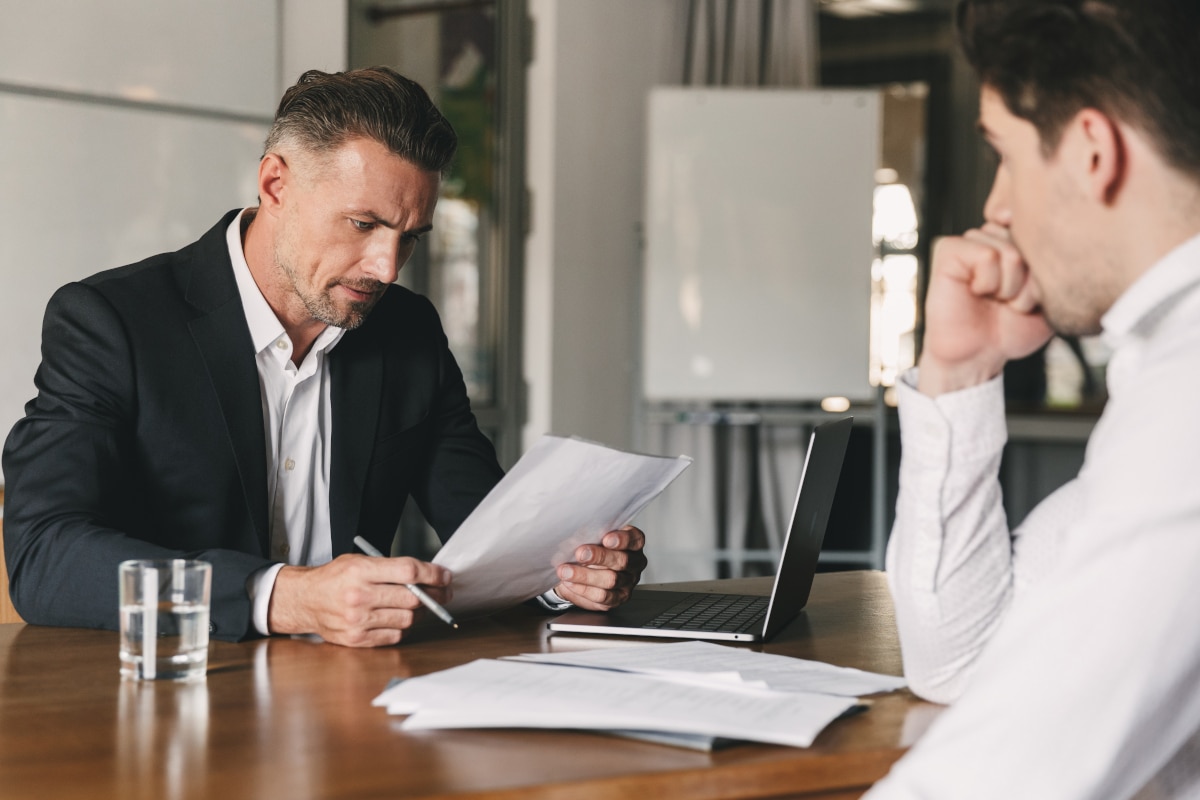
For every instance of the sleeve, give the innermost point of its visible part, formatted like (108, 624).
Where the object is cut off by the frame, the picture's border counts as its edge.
(70, 472)
(550, 601)
(952, 563)
(1087, 687)
(260, 586)
(462, 467)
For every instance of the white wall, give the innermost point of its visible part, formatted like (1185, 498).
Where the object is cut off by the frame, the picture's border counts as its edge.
(127, 127)
(594, 61)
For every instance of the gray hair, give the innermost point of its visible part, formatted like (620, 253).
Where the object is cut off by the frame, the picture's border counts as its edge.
(323, 110)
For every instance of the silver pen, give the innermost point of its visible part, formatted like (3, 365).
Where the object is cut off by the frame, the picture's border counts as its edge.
(426, 600)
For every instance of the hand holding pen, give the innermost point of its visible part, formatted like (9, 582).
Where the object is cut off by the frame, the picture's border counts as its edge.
(426, 600)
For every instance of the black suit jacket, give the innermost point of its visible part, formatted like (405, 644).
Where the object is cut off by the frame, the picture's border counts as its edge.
(146, 438)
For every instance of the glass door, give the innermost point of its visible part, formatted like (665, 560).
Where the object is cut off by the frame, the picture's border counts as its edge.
(470, 55)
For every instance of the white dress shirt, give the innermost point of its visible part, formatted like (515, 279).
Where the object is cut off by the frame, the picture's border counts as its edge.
(1070, 647)
(298, 422)
(299, 431)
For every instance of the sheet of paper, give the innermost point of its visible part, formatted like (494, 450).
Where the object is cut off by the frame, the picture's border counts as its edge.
(561, 494)
(692, 741)
(685, 660)
(492, 693)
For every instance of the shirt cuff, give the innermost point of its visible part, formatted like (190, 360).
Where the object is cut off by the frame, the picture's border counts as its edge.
(552, 602)
(954, 428)
(260, 585)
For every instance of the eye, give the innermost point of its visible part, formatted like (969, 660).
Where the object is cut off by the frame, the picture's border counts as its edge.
(412, 238)
(361, 225)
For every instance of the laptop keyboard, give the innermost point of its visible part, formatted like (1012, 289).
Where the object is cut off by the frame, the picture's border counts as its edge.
(713, 612)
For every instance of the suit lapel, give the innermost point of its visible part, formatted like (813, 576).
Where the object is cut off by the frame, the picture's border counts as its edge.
(223, 339)
(356, 375)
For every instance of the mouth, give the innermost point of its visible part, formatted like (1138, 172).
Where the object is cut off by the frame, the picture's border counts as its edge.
(362, 293)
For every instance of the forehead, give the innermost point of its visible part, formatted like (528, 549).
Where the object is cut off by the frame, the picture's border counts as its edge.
(362, 158)
(994, 116)
(365, 172)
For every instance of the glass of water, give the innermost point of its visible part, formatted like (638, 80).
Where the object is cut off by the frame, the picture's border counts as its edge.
(164, 619)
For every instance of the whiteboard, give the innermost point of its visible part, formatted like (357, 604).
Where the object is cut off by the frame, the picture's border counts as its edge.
(757, 278)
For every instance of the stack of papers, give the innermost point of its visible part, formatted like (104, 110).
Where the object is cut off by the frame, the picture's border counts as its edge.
(700, 661)
(693, 694)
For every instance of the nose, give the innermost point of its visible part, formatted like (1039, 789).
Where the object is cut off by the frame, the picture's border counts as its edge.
(997, 209)
(384, 262)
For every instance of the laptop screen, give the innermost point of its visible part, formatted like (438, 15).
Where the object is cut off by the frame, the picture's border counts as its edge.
(810, 515)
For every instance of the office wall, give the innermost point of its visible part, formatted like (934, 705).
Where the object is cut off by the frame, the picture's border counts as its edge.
(126, 128)
(594, 61)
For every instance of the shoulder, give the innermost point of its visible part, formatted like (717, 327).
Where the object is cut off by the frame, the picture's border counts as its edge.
(166, 277)
(144, 275)
(402, 310)
(398, 298)
(147, 290)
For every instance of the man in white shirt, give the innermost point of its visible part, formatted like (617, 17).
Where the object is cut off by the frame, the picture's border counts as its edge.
(1067, 648)
(264, 395)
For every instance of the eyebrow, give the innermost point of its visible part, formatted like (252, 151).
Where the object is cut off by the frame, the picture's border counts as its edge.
(984, 131)
(418, 231)
(378, 220)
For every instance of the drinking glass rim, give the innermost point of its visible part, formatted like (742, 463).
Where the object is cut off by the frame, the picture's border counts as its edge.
(165, 563)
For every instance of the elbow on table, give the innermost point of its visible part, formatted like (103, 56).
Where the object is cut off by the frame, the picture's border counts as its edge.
(941, 693)
(942, 683)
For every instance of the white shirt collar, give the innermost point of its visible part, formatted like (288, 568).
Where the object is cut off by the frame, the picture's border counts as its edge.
(1154, 293)
(265, 327)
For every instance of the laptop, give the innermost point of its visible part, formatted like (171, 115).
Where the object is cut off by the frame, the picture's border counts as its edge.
(730, 617)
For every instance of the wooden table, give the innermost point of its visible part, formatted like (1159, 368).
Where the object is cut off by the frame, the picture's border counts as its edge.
(7, 612)
(291, 718)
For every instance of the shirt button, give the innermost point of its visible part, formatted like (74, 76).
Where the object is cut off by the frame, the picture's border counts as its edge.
(285, 549)
(289, 465)
(282, 344)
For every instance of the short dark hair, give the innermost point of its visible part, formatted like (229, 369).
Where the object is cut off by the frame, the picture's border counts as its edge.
(324, 110)
(1136, 60)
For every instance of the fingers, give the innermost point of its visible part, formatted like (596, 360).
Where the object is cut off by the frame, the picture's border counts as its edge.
(626, 538)
(354, 600)
(399, 570)
(599, 577)
(604, 575)
(1027, 299)
(594, 598)
(614, 549)
(371, 628)
(982, 309)
(383, 596)
(997, 268)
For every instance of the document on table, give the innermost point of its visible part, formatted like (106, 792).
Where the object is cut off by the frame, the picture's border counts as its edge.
(699, 661)
(563, 493)
(505, 694)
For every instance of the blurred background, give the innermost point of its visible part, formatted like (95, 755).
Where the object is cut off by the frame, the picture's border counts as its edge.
(127, 127)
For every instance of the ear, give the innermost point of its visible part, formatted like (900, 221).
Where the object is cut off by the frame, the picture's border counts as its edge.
(273, 177)
(1099, 156)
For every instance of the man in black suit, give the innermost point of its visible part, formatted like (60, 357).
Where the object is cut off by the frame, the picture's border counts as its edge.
(262, 396)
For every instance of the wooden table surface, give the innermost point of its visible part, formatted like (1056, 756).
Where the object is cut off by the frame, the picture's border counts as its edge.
(291, 718)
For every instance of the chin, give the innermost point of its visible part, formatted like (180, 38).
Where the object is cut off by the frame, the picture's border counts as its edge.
(1073, 324)
(347, 321)
(354, 316)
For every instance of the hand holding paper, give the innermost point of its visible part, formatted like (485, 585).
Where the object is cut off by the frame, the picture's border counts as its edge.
(562, 494)
(603, 576)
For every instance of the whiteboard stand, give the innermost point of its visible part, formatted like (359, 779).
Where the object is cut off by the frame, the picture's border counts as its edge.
(804, 416)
